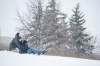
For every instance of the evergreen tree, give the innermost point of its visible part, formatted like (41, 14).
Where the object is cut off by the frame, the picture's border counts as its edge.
(54, 26)
(79, 40)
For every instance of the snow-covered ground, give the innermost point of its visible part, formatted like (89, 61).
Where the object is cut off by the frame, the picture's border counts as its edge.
(8, 58)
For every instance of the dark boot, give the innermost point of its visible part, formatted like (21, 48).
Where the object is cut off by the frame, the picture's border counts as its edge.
(44, 52)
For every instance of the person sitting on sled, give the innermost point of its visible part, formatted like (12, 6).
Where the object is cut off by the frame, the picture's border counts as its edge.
(25, 49)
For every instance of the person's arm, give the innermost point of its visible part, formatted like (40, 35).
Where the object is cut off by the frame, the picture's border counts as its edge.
(17, 41)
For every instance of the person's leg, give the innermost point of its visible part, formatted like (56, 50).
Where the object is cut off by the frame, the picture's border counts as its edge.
(30, 51)
(35, 51)
(11, 47)
(39, 51)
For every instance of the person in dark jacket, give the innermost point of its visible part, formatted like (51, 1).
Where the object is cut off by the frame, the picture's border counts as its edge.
(25, 49)
(23, 46)
(15, 42)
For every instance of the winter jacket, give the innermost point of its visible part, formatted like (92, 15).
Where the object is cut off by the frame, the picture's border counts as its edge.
(15, 43)
(23, 48)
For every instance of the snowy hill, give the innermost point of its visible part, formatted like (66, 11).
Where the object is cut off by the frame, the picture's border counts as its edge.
(8, 58)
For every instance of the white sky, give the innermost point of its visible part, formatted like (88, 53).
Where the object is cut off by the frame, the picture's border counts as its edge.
(8, 22)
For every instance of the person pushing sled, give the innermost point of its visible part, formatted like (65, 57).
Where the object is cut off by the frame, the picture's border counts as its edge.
(23, 46)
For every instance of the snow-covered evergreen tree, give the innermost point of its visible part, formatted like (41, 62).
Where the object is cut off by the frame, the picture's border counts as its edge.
(55, 27)
(79, 40)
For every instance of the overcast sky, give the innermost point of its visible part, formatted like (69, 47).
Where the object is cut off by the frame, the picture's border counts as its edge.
(8, 22)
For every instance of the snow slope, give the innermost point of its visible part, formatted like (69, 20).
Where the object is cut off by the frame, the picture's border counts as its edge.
(8, 58)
